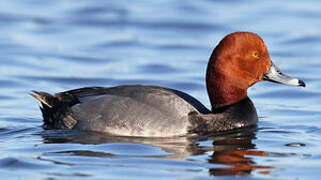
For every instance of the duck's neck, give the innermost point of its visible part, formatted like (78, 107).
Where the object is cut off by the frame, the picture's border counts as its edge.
(222, 90)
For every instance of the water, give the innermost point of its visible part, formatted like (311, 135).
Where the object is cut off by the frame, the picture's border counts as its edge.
(59, 45)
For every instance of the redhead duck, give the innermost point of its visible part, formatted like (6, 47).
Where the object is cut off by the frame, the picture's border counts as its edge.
(239, 61)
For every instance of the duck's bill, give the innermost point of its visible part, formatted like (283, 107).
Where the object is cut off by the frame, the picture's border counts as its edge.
(275, 75)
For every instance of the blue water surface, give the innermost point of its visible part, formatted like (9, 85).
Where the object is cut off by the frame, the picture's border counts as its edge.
(60, 45)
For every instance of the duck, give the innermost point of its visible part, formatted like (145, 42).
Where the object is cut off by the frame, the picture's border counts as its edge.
(240, 60)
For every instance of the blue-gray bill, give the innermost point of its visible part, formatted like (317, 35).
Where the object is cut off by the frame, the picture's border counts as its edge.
(275, 75)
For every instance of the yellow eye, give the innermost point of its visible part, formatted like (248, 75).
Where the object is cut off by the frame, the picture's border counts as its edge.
(255, 54)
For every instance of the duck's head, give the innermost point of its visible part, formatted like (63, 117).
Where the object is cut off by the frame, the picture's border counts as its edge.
(240, 60)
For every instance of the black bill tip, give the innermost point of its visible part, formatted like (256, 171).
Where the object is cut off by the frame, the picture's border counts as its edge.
(301, 83)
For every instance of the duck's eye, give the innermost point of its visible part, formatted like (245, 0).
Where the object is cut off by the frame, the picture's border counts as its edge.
(255, 54)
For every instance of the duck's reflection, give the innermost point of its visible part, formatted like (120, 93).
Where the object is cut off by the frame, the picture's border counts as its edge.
(236, 150)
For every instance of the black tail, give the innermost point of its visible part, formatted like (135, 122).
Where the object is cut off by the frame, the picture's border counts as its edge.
(56, 110)
(47, 100)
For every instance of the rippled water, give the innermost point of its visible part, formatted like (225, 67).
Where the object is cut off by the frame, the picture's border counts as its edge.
(59, 45)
